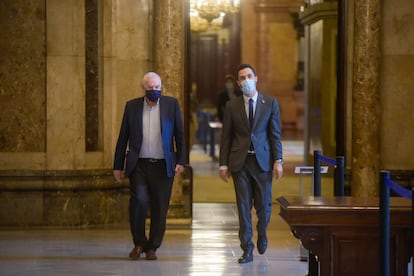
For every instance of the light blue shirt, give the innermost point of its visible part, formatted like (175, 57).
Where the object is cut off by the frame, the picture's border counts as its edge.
(151, 128)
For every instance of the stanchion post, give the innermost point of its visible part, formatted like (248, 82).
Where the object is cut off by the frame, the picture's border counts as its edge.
(384, 224)
(412, 230)
(212, 143)
(339, 176)
(316, 173)
(313, 265)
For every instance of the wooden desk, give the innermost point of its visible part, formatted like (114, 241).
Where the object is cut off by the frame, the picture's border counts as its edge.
(343, 232)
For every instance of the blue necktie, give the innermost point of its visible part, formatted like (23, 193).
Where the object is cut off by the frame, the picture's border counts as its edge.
(251, 113)
(251, 120)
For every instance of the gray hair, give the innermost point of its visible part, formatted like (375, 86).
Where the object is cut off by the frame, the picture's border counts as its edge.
(150, 75)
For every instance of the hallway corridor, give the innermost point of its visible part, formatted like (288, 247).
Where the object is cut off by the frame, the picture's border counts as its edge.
(209, 247)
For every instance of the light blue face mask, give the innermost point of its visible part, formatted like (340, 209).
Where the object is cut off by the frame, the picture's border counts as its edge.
(248, 87)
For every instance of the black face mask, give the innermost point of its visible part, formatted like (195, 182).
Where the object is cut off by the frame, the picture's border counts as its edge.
(153, 95)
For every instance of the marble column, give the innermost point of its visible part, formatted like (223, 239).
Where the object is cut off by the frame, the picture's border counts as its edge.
(169, 38)
(365, 99)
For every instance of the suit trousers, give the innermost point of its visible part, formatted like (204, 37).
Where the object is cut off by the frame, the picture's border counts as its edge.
(253, 187)
(150, 189)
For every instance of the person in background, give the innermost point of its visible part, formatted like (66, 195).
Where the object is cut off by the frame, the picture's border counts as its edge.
(152, 129)
(230, 91)
(251, 151)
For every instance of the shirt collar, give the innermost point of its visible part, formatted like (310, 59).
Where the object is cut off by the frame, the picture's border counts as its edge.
(246, 98)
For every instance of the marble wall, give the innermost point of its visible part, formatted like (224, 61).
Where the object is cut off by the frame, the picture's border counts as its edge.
(396, 90)
(51, 108)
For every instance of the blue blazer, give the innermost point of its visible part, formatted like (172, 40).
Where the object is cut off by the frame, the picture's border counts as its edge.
(172, 132)
(237, 135)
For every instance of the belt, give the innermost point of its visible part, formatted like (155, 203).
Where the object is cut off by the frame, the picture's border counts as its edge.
(250, 153)
(150, 160)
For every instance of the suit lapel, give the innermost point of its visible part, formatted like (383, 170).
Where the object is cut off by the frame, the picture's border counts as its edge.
(259, 109)
(162, 113)
(140, 109)
(243, 116)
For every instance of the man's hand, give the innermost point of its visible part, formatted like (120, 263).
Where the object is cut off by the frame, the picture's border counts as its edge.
(278, 170)
(179, 168)
(224, 174)
(119, 175)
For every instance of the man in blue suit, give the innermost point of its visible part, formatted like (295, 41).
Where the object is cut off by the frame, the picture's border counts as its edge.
(152, 129)
(251, 151)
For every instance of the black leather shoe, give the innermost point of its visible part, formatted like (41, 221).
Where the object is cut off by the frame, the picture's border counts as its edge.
(247, 257)
(262, 245)
(136, 253)
(150, 255)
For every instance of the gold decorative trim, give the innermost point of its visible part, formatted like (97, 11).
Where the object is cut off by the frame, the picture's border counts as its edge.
(276, 8)
(318, 12)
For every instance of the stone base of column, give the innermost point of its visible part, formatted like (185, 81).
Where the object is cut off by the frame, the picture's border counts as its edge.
(68, 199)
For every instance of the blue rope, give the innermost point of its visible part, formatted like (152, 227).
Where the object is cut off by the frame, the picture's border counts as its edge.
(328, 160)
(398, 189)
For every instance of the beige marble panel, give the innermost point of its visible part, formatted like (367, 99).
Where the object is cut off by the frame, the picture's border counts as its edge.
(93, 160)
(282, 52)
(78, 25)
(60, 30)
(131, 29)
(61, 112)
(128, 81)
(79, 113)
(398, 26)
(110, 100)
(249, 27)
(126, 60)
(111, 124)
(107, 18)
(397, 116)
(66, 84)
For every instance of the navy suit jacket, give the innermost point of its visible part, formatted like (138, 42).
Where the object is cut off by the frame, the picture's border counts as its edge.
(131, 135)
(237, 135)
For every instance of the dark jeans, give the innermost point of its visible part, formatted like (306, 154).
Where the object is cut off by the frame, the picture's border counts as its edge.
(150, 189)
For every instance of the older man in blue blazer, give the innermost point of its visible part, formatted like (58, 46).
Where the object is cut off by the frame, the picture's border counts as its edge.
(150, 151)
(251, 151)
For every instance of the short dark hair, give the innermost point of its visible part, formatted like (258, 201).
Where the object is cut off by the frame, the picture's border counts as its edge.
(244, 66)
(229, 77)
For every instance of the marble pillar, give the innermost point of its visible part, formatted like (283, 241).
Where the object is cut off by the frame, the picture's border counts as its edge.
(365, 99)
(169, 37)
